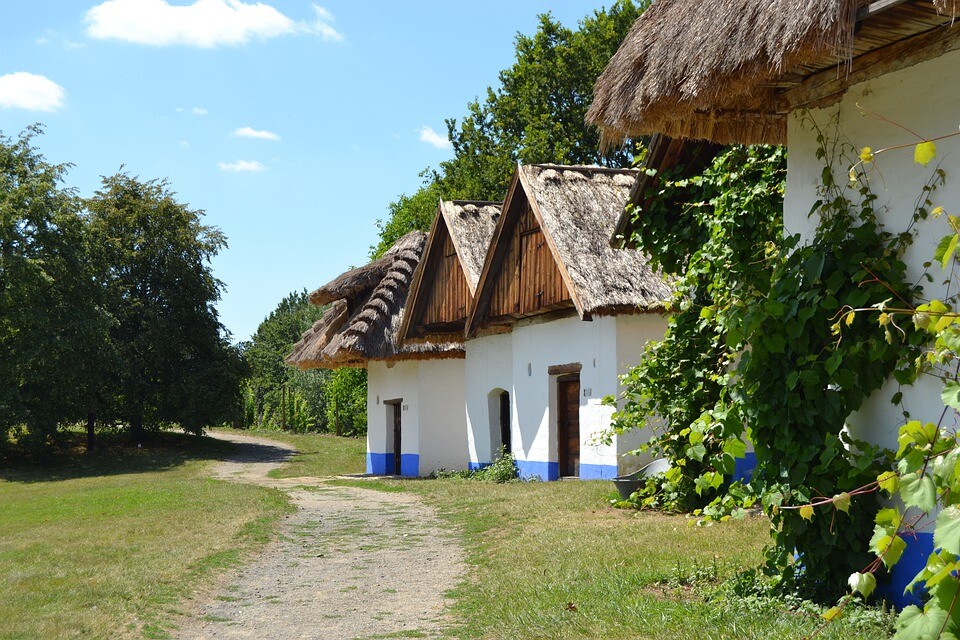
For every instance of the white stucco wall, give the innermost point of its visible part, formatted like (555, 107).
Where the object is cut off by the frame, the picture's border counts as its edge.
(922, 98)
(443, 416)
(518, 362)
(385, 384)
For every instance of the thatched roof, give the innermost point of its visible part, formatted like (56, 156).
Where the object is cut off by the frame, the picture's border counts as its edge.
(577, 208)
(365, 315)
(471, 224)
(731, 71)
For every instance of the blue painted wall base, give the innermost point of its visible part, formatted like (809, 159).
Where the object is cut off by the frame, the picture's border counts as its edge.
(598, 471)
(477, 466)
(913, 560)
(410, 465)
(543, 470)
(743, 467)
(381, 464)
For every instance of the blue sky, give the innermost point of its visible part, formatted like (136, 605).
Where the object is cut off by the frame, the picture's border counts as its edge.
(293, 124)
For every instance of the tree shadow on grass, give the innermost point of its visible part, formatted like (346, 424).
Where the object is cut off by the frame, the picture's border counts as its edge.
(114, 455)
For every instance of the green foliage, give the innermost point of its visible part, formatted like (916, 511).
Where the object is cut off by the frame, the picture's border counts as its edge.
(408, 213)
(345, 391)
(768, 344)
(279, 396)
(735, 209)
(53, 326)
(152, 256)
(502, 470)
(535, 115)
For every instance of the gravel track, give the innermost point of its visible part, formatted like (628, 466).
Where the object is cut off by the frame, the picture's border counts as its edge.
(349, 564)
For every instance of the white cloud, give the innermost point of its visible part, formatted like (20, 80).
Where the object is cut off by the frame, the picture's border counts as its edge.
(249, 132)
(205, 23)
(29, 91)
(241, 166)
(198, 111)
(431, 137)
(184, 144)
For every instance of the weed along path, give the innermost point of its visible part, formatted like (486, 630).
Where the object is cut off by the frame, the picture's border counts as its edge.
(349, 563)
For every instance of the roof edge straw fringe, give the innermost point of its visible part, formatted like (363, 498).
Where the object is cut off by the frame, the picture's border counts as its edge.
(366, 311)
(731, 71)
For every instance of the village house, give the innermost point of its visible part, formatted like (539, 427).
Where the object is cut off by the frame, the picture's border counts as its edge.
(415, 392)
(879, 74)
(558, 315)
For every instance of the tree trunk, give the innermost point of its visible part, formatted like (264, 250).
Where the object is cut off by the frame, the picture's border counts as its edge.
(136, 429)
(91, 423)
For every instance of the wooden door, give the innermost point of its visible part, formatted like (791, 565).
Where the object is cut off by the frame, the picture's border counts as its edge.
(396, 436)
(568, 426)
(505, 421)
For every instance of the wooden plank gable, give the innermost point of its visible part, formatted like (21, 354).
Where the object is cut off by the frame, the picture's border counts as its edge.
(525, 277)
(442, 296)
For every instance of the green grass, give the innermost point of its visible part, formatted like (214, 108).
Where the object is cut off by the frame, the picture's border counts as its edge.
(552, 560)
(320, 454)
(112, 545)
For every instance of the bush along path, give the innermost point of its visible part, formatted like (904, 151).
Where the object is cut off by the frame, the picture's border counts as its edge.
(350, 563)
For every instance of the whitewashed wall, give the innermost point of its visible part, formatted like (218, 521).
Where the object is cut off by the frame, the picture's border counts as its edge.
(433, 425)
(923, 98)
(518, 362)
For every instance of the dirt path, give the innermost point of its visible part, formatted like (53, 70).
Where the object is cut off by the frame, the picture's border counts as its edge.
(350, 563)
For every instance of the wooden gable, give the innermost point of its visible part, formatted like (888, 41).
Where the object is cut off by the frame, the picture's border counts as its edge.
(442, 296)
(522, 277)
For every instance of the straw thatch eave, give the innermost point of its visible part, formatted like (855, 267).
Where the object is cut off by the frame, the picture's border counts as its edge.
(363, 324)
(731, 71)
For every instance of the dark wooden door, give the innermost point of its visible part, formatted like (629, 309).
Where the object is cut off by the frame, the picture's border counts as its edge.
(396, 438)
(505, 421)
(568, 426)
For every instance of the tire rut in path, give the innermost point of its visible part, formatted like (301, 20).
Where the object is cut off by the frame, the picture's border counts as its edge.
(350, 563)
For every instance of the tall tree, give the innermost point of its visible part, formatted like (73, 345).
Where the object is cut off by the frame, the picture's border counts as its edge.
(275, 388)
(176, 365)
(53, 330)
(537, 113)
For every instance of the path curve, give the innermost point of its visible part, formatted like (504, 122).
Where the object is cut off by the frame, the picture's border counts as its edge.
(349, 564)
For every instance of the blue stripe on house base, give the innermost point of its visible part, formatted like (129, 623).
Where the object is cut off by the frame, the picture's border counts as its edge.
(381, 464)
(743, 467)
(543, 470)
(410, 465)
(913, 560)
(598, 471)
(477, 466)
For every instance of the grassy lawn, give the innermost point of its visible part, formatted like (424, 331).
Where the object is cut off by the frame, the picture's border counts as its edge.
(320, 455)
(551, 560)
(111, 545)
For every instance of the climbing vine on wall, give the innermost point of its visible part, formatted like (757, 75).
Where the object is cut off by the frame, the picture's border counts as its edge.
(758, 345)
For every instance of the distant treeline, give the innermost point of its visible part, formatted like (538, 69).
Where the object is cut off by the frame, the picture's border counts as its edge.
(107, 314)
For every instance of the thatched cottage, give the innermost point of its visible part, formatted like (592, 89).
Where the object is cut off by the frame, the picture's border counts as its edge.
(558, 315)
(415, 394)
(751, 71)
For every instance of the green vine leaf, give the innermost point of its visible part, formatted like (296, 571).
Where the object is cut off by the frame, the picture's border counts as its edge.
(916, 624)
(946, 249)
(924, 152)
(951, 394)
(842, 502)
(862, 583)
(947, 534)
(917, 490)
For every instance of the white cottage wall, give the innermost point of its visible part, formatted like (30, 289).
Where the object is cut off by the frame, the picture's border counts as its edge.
(443, 422)
(922, 98)
(386, 383)
(489, 369)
